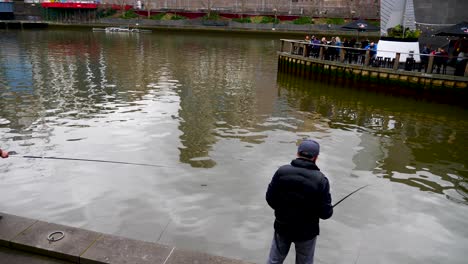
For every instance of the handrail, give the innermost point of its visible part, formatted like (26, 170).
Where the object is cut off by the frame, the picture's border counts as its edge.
(361, 49)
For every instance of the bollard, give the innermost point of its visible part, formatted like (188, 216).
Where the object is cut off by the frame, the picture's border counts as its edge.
(292, 48)
(342, 55)
(304, 53)
(321, 53)
(397, 61)
(282, 45)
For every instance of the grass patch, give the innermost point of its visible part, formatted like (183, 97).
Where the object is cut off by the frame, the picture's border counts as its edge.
(177, 17)
(264, 20)
(167, 16)
(303, 21)
(335, 21)
(212, 16)
(129, 14)
(157, 16)
(242, 20)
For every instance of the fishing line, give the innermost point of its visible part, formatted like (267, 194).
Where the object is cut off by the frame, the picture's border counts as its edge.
(355, 191)
(89, 160)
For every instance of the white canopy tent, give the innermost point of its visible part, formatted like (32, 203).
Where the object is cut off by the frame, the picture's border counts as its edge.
(389, 48)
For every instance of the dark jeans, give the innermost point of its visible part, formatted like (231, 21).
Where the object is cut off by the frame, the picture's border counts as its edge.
(280, 247)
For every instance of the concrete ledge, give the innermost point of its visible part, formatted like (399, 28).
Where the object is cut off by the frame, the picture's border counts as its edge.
(11, 226)
(114, 249)
(88, 247)
(73, 244)
(188, 257)
(13, 256)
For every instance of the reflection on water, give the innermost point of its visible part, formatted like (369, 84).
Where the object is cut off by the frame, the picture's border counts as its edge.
(62, 79)
(74, 77)
(420, 144)
(212, 111)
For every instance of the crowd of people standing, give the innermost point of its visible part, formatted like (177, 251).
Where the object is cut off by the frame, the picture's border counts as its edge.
(454, 55)
(332, 48)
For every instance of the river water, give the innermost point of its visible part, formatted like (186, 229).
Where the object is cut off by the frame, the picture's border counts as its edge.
(210, 110)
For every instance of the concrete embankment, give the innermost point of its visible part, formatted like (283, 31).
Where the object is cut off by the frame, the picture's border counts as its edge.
(39, 240)
(200, 25)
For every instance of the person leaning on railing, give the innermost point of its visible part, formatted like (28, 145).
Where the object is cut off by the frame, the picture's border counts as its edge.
(440, 59)
(425, 52)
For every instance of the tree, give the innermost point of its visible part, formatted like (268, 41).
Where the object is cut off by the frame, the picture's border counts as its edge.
(122, 4)
(208, 4)
(242, 6)
(150, 4)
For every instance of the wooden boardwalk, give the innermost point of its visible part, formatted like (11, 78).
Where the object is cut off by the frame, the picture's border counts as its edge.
(298, 58)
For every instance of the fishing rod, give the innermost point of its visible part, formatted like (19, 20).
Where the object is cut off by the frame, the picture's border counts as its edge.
(12, 153)
(355, 191)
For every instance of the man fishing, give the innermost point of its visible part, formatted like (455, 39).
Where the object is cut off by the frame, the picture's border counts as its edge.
(300, 195)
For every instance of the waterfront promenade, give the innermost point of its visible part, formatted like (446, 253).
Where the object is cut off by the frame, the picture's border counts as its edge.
(356, 65)
(192, 25)
(24, 240)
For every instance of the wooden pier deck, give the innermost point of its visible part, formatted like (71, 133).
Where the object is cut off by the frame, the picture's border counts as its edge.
(356, 65)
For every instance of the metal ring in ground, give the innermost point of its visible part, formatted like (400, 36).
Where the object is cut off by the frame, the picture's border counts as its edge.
(51, 236)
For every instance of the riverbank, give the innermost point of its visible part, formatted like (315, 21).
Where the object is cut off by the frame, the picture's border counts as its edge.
(74, 245)
(199, 25)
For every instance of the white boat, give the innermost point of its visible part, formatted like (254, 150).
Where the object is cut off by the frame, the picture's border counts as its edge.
(122, 29)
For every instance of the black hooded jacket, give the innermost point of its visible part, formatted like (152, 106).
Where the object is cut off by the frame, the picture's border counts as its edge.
(300, 195)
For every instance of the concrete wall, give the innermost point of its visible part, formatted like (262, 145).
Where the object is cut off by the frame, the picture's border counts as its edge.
(328, 8)
(27, 11)
(441, 12)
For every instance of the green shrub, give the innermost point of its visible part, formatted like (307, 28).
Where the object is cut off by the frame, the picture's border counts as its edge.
(178, 17)
(167, 16)
(212, 16)
(412, 33)
(129, 14)
(267, 19)
(256, 19)
(242, 20)
(397, 32)
(264, 20)
(303, 21)
(158, 16)
(106, 12)
(335, 21)
(375, 23)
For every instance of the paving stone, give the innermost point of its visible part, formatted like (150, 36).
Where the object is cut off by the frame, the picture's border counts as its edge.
(12, 256)
(188, 257)
(74, 243)
(117, 250)
(11, 226)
